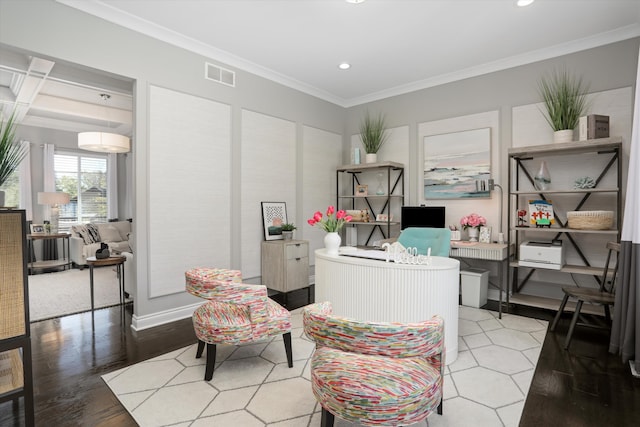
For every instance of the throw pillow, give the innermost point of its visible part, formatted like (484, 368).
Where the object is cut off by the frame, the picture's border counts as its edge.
(92, 230)
(81, 231)
(88, 233)
(110, 234)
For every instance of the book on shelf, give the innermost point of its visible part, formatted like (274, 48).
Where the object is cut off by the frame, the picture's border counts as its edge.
(541, 213)
(593, 126)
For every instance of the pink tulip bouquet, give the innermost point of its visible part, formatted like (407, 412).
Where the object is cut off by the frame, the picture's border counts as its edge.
(472, 221)
(331, 223)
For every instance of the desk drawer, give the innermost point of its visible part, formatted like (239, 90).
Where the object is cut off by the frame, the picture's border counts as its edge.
(297, 250)
(297, 273)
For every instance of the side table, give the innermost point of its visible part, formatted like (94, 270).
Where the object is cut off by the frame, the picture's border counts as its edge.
(118, 261)
(66, 257)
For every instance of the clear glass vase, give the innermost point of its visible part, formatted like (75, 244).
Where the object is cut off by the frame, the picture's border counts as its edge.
(542, 179)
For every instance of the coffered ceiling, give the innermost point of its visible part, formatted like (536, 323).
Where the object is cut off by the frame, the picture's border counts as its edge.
(393, 46)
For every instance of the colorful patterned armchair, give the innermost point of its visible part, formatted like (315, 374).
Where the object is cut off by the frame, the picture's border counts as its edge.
(235, 313)
(375, 374)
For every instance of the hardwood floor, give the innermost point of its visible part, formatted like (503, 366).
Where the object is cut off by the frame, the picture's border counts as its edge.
(584, 386)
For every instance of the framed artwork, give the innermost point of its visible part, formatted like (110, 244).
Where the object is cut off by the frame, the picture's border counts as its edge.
(384, 217)
(457, 165)
(362, 190)
(37, 228)
(541, 213)
(485, 235)
(274, 214)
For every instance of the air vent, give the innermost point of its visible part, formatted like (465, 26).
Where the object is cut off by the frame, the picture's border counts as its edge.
(220, 75)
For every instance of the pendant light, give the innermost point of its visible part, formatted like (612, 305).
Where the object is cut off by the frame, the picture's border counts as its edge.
(103, 142)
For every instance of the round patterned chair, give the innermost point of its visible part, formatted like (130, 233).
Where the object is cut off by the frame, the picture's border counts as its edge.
(375, 374)
(235, 313)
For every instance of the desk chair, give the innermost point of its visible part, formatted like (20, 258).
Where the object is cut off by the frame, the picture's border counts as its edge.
(422, 238)
(375, 373)
(604, 295)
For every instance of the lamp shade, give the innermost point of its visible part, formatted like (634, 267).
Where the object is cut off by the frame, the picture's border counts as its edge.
(103, 142)
(53, 198)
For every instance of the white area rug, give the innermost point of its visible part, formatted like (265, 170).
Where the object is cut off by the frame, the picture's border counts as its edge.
(252, 386)
(67, 292)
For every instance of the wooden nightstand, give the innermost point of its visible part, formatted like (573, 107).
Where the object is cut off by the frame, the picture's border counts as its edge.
(285, 266)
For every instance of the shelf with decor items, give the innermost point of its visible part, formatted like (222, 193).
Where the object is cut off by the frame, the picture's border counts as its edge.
(603, 158)
(16, 377)
(357, 187)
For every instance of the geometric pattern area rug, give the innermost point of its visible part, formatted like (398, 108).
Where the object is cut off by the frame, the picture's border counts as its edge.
(252, 385)
(69, 292)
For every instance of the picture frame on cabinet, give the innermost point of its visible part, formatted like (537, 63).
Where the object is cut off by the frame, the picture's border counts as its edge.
(274, 215)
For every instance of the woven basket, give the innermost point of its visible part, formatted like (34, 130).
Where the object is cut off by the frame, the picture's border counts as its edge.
(590, 220)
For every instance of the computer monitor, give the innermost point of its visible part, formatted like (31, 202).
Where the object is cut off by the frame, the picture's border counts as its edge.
(422, 216)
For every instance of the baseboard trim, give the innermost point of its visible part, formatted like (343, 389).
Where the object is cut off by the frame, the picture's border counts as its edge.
(139, 323)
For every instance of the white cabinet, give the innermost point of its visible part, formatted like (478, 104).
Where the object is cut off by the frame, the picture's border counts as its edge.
(599, 158)
(285, 265)
(378, 189)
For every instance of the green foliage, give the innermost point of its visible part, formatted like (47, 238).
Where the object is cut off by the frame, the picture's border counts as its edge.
(11, 154)
(373, 133)
(565, 98)
(288, 227)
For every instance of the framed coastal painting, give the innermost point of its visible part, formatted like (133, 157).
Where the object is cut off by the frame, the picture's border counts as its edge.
(457, 165)
(274, 214)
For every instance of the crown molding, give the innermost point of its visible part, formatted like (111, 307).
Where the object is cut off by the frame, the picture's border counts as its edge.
(101, 10)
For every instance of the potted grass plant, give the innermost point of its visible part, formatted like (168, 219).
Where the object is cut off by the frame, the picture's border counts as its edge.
(373, 134)
(565, 100)
(11, 153)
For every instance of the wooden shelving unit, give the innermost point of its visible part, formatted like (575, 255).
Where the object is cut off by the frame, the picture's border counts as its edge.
(374, 203)
(520, 176)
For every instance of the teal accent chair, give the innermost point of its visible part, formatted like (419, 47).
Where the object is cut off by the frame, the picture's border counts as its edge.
(438, 239)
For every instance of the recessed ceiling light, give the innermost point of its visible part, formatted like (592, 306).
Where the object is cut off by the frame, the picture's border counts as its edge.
(344, 66)
(523, 3)
(355, 1)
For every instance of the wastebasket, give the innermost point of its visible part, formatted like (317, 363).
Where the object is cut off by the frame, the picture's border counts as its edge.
(474, 283)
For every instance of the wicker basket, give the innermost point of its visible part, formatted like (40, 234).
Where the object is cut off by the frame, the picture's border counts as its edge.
(590, 220)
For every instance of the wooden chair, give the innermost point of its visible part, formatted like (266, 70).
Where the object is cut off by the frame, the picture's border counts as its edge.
(604, 295)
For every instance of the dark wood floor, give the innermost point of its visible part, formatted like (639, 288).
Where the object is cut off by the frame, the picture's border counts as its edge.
(584, 386)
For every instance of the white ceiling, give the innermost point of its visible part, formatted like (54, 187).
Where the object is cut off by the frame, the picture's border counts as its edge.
(394, 46)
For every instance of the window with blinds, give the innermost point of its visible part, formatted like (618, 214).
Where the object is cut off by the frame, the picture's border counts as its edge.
(11, 188)
(84, 177)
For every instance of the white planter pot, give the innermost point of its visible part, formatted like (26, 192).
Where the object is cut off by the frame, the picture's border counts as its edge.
(371, 158)
(560, 136)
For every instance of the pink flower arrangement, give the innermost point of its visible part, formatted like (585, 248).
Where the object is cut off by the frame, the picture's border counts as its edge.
(331, 223)
(472, 220)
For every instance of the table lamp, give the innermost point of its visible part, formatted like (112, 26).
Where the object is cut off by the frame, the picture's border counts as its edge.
(53, 199)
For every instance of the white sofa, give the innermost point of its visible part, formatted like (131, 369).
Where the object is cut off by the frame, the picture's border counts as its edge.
(86, 239)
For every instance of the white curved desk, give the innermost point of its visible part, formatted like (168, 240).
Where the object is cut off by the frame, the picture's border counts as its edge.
(379, 291)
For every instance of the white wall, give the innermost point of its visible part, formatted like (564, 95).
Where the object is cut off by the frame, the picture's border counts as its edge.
(52, 30)
(49, 29)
